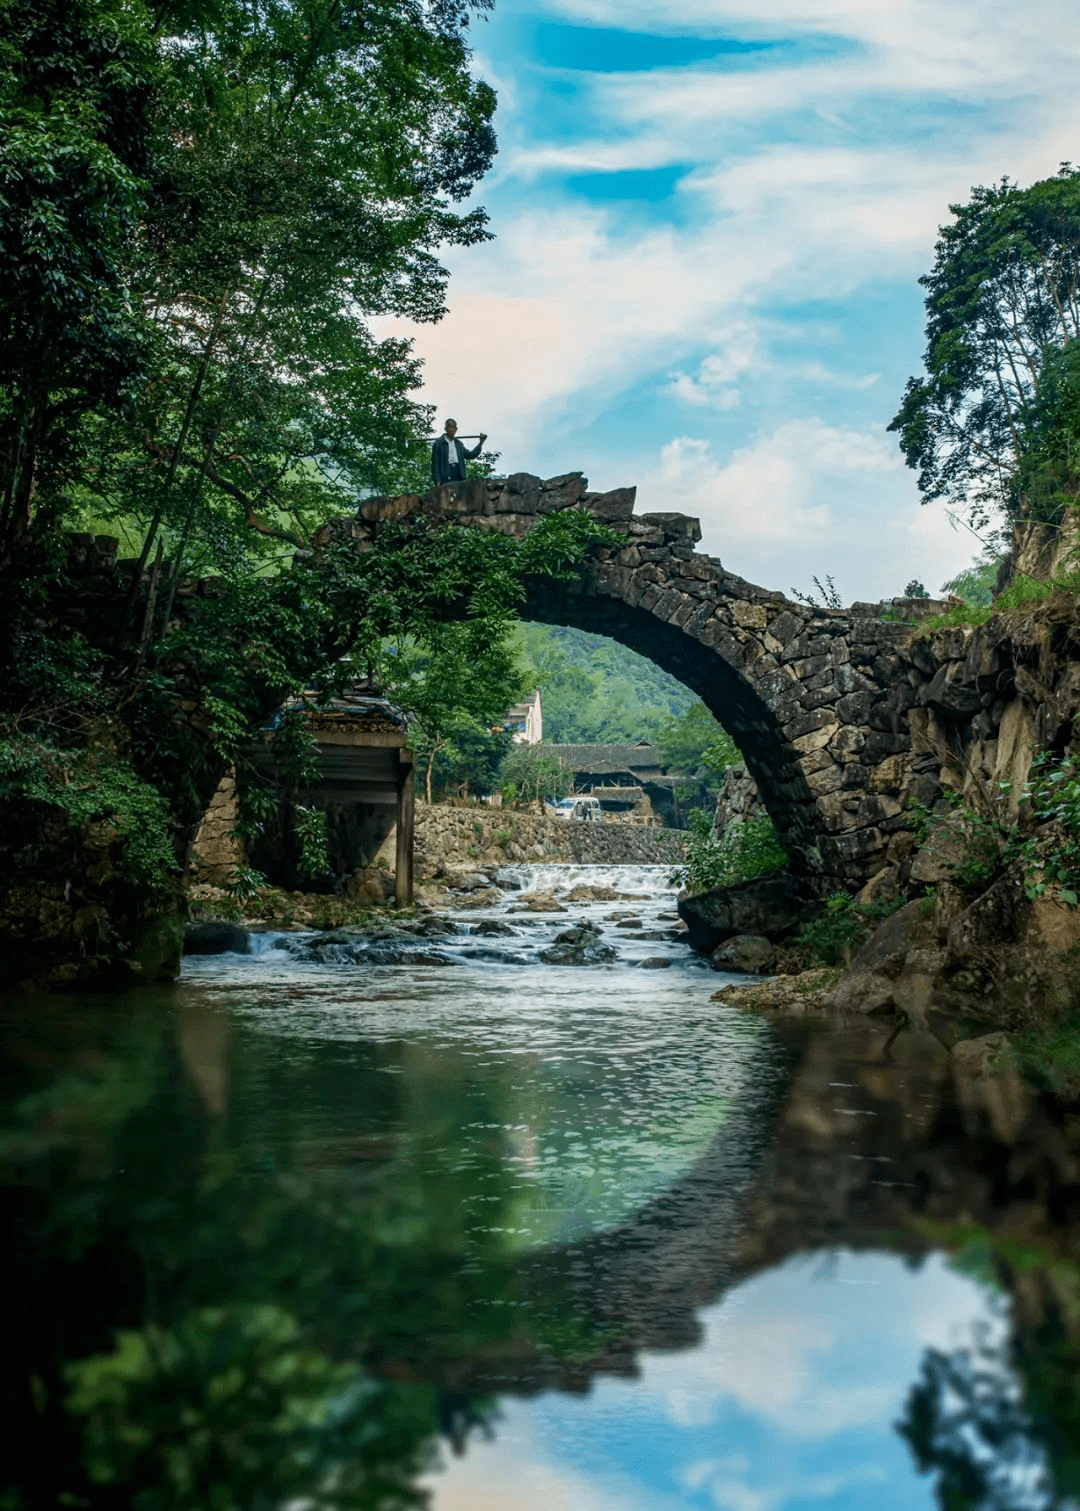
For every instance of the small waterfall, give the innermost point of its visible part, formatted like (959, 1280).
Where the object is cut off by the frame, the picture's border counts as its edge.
(638, 881)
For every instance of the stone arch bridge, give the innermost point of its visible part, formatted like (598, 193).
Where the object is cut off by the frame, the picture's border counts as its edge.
(817, 699)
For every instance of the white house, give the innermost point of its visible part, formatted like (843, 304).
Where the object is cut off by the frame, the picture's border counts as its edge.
(526, 721)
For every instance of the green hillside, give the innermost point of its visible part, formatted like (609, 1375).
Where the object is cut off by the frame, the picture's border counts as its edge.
(596, 690)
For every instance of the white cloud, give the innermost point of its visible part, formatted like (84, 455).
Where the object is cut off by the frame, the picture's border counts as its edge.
(805, 182)
(809, 499)
(744, 354)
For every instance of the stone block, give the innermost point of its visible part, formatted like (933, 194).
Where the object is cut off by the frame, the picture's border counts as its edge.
(806, 667)
(651, 594)
(854, 708)
(786, 626)
(682, 527)
(563, 492)
(520, 495)
(666, 605)
(815, 760)
(749, 615)
(817, 739)
(683, 613)
(891, 774)
(825, 697)
(699, 618)
(803, 723)
(880, 744)
(615, 505)
(827, 779)
(849, 679)
(948, 692)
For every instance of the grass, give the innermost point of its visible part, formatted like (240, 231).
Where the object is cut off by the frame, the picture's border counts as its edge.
(1023, 592)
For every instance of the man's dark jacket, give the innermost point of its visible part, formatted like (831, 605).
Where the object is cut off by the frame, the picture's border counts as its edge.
(441, 470)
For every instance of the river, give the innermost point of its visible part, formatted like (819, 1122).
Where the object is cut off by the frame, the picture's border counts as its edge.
(369, 1221)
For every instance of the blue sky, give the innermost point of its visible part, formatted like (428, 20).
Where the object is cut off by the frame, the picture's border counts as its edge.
(710, 218)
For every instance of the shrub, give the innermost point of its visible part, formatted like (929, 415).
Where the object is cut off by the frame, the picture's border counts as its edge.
(834, 936)
(92, 786)
(748, 848)
(988, 842)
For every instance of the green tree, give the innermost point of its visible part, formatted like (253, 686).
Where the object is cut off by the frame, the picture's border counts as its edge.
(1002, 297)
(975, 584)
(748, 848)
(454, 687)
(695, 742)
(596, 690)
(300, 169)
(77, 79)
(531, 772)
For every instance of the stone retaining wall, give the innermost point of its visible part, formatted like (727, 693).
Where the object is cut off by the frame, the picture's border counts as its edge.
(450, 838)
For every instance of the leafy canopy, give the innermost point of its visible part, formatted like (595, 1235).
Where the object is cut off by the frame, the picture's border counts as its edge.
(201, 211)
(1002, 304)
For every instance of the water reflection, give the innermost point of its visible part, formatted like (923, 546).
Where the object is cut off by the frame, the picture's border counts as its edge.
(276, 1241)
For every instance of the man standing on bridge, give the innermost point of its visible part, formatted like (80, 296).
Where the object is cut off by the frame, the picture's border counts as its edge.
(448, 456)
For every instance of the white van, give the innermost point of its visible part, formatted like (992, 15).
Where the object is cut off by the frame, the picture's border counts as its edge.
(585, 809)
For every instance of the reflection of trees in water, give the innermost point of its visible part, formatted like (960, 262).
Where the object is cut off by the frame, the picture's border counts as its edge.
(999, 1423)
(276, 1276)
(244, 1303)
(965, 1422)
(276, 1272)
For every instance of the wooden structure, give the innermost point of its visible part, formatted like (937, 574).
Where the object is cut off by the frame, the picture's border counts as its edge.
(365, 786)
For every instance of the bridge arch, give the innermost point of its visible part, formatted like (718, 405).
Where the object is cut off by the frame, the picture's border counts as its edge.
(813, 697)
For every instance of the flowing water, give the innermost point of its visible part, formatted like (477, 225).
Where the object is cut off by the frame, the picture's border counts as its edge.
(356, 1220)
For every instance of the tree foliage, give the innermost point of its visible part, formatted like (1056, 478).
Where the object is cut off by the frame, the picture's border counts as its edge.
(747, 848)
(454, 688)
(531, 772)
(695, 742)
(201, 210)
(1003, 297)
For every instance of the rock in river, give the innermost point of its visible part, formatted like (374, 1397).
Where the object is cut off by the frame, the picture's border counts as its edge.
(750, 953)
(216, 938)
(580, 945)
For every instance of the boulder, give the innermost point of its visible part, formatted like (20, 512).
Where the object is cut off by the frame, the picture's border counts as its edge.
(372, 887)
(653, 963)
(537, 902)
(580, 945)
(980, 1057)
(873, 982)
(216, 938)
(750, 954)
(961, 967)
(773, 906)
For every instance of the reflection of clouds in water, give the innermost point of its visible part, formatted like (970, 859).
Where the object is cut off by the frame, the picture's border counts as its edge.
(727, 1491)
(819, 1348)
(792, 1397)
(505, 1483)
